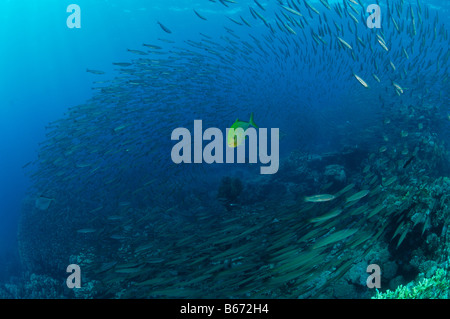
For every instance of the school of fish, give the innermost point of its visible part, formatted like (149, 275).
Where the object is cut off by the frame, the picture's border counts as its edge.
(101, 189)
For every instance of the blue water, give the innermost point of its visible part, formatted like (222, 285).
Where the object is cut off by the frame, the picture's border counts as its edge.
(43, 73)
(44, 65)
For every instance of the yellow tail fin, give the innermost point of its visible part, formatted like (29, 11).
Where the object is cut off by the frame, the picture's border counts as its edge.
(252, 122)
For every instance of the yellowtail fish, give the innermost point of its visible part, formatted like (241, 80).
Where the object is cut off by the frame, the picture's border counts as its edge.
(379, 37)
(358, 195)
(383, 45)
(325, 4)
(405, 53)
(389, 181)
(128, 270)
(289, 29)
(151, 46)
(398, 87)
(319, 198)
(345, 43)
(235, 21)
(392, 65)
(122, 64)
(353, 17)
(95, 71)
(260, 16)
(114, 217)
(292, 11)
(259, 5)
(326, 216)
(245, 21)
(337, 236)
(363, 83)
(137, 52)
(96, 210)
(198, 15)
(311, 7)
(86, 231)
(165, 29)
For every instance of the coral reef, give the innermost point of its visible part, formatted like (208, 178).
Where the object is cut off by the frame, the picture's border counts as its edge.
(33, 286)
(436, 287)
(335, 173)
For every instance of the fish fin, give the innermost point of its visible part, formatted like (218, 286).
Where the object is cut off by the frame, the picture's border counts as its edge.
(252, 122)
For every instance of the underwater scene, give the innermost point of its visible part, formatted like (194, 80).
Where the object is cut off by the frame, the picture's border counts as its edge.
(225, 149)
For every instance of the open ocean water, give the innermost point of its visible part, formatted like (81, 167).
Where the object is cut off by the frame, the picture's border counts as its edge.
(269, 149)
